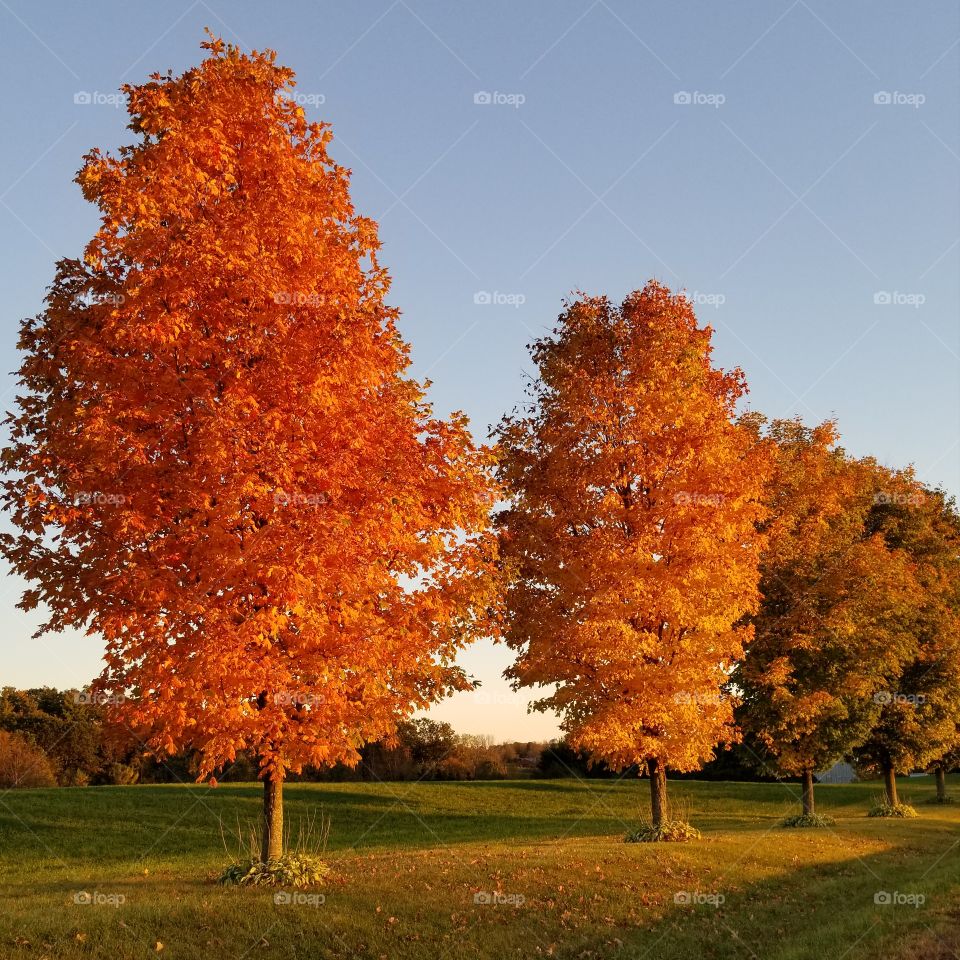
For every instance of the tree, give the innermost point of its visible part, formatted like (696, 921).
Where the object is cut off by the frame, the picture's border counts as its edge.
(430, 742)
(629, 542)
(66, 725)
(920, 705)
(23, 763)
(219, 461)
(948, 761)
(830, 627)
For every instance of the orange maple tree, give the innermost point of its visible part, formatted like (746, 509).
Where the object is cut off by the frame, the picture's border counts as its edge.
(630, 542)
(219, 462)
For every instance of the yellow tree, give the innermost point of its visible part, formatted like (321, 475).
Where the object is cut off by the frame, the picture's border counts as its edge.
(219, 462)
(630, 540)
(831, 626)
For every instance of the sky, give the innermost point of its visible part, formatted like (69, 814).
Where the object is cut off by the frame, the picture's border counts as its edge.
(792, 165)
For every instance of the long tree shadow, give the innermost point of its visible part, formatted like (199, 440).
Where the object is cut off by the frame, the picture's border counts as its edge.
(856, 909)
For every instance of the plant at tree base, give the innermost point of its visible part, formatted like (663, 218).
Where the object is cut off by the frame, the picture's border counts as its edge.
(219, 462)
(629, 542)
(667, 831)
(920, 705)
(884, 808)
(809, 820)
(831, 625)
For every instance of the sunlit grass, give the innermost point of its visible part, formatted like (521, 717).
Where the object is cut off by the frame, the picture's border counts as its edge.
(508, 869)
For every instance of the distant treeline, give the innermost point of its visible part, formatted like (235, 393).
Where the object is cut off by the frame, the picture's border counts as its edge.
(50, 737)
(58, 737)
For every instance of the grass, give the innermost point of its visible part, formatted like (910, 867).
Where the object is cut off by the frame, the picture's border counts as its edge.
(546, 858)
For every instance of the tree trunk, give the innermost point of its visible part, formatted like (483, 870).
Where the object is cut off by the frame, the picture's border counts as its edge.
(808, 801)
(658, 791)
(940, 774)
(890, 779)
(272, 848)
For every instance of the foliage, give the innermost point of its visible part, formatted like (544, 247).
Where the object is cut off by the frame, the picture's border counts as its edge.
(69, 726)
(883, 808)
(629, 541)
(669, 831)
(920, 705)
(291, 870)
(831, 626)
(219, 462)
(23, 764)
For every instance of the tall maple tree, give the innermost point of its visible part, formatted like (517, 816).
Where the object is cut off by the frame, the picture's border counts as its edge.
(831, 627)
(219, 462)
(629, 541)
(920, 707)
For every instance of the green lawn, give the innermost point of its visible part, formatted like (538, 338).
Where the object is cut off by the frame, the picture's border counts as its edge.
(409, 859)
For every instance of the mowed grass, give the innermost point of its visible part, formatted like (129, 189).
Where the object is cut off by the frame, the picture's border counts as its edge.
(409, 859)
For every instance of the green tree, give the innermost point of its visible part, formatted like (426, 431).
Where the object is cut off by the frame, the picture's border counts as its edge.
(920, 704)
(830, 627)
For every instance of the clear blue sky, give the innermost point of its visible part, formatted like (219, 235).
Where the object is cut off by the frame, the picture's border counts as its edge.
(819, 227)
